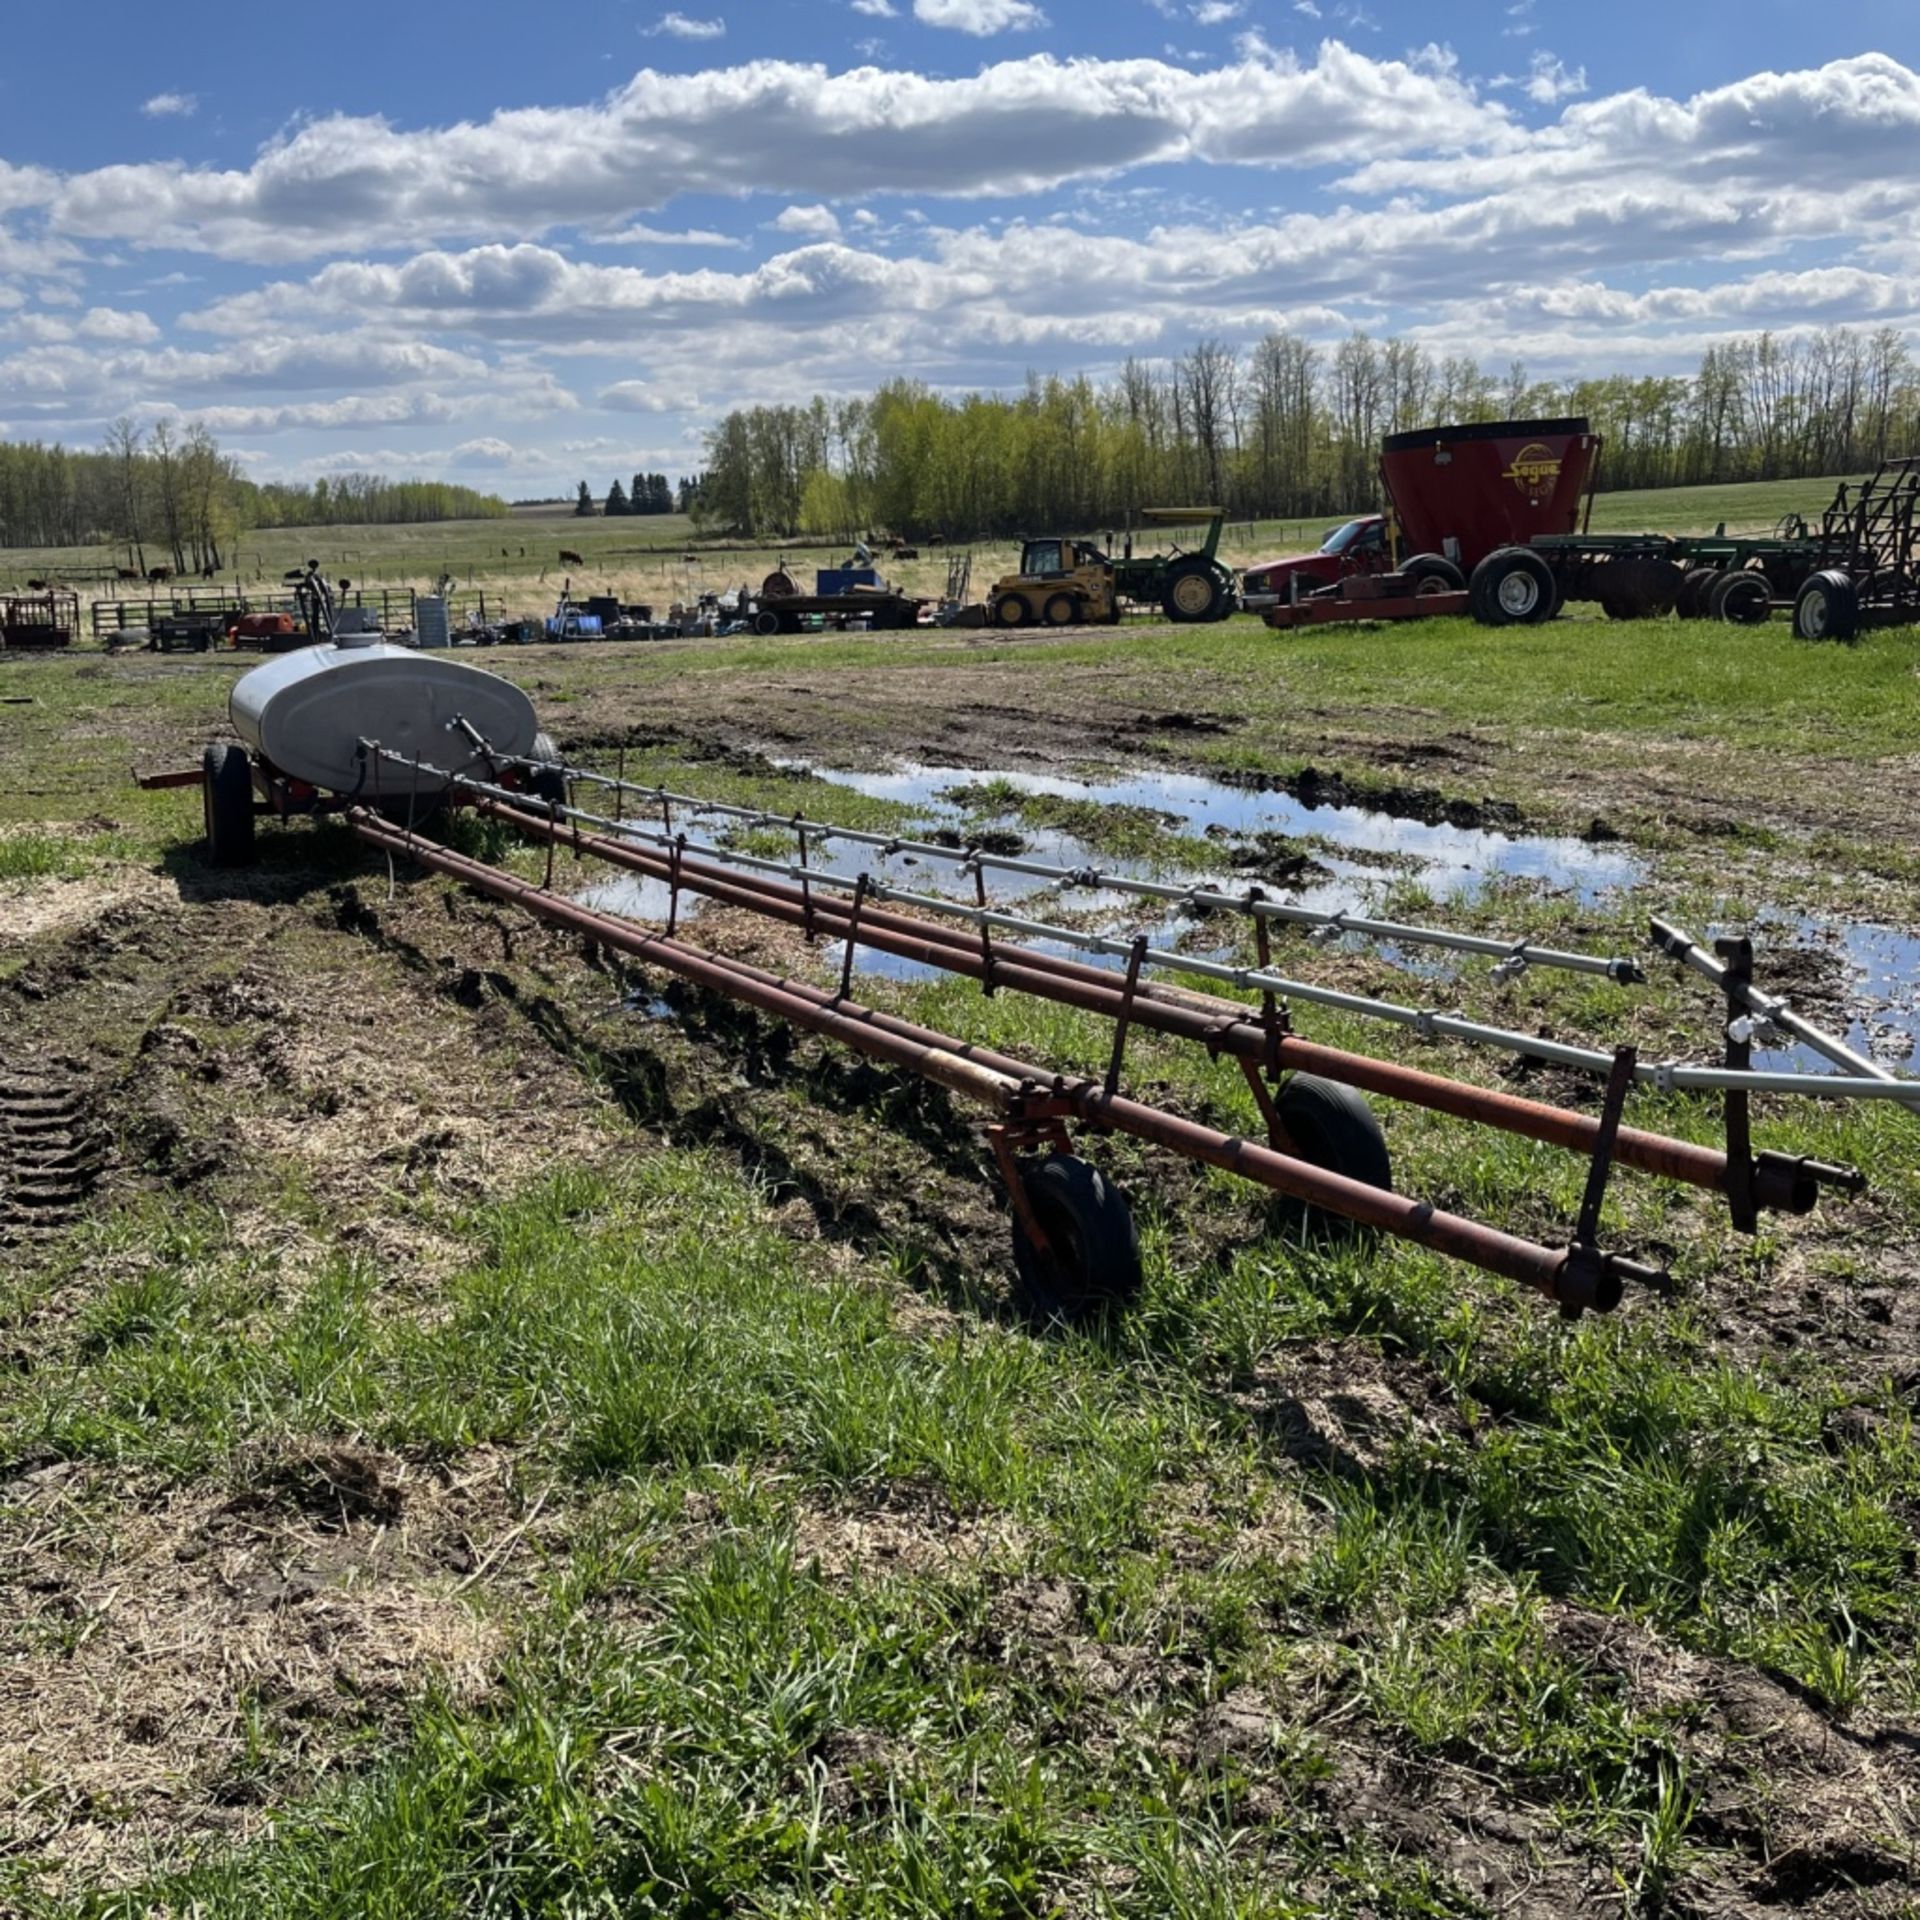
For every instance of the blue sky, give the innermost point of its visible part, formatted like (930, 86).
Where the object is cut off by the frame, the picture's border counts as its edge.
(538, 245)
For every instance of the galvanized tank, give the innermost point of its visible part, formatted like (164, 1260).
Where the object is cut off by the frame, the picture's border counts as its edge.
(306, 713)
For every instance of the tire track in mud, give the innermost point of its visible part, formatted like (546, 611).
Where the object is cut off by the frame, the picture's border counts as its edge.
(51, 1152)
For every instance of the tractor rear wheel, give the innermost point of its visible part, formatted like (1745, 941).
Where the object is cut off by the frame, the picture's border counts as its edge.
(1062, 610)
(1741, 599)
(1194, 592)
(1513, 587)
(1694, 588)
(1011, 610)
(1827, 607)
(1092, 1256)
(1433, 573)
(226, 799)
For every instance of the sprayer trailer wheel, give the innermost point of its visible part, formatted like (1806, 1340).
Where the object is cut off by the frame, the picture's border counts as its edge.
(1092, 1257)
(226, 797)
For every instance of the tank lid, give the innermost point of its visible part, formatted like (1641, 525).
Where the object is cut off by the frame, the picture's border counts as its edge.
(1482, 430)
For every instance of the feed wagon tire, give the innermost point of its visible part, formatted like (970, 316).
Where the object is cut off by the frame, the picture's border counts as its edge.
(1194, 592)
(1433, 573)
(1740, 599)
(1694, 588)
(1333, 1128)
(1092, 1258)
(226, 798)
(1011, 610)
(1513, 587)
(1827, 607)
(1062, 610)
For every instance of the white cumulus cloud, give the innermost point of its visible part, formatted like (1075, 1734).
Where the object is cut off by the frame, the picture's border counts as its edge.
(680, 26)
(171, 106)
(980, 16)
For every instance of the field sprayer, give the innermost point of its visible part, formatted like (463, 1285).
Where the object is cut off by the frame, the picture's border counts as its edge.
(1073, 1237)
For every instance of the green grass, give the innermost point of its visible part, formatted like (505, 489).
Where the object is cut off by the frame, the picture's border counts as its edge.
(714, 1694)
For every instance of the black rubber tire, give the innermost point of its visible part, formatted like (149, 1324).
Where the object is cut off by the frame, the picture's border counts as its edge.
(547, 782)
(1093, 1255)
(1011, 610)
(1741, 599)
(1513, 587)
(1694, 588)
(226, 798)
(767, 623)
(1434, 573)
(1062, 610)
(1827, 607)
(1333, 1128)
(1181, 599)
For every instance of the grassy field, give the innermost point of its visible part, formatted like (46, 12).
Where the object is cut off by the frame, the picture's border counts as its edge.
(505, 1433)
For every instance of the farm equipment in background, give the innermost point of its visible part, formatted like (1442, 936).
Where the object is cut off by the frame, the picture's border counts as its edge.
(187, 633)
(1457, 496)
(39, 621)
(1860, 568)
(1064, 582)
(841, 596)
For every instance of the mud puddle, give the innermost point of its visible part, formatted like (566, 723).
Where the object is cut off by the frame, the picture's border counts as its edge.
(1874, 1002)
(1213, 835)
(1864, 978)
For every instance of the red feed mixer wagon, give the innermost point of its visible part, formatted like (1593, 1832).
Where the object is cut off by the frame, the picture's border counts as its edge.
(1458, 497)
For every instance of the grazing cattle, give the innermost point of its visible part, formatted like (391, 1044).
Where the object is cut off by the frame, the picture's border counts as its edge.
(157, 576)
(39, 586)
(937, 540)
(568, 558)
(210, 570)
(126, 573)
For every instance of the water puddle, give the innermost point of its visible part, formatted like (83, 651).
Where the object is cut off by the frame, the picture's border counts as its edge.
(1858, 980)
(1877, 969)
(1451, 863)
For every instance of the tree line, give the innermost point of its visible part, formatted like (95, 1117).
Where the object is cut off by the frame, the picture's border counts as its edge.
(170, 496)
(1284, 429)
(652, 493)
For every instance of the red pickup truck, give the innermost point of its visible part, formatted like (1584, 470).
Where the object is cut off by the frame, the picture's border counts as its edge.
(1359, 546)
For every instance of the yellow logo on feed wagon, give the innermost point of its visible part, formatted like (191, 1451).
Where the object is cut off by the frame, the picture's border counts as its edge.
(1535, 472)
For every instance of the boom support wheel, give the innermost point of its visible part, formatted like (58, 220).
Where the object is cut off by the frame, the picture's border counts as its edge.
(1091, 1256)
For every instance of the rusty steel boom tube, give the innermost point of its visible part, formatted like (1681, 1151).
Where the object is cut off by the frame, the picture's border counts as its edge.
(1002, 1084)
(1223, 1026)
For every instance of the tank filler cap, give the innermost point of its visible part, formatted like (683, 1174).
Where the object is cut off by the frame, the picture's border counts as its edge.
(344, 641)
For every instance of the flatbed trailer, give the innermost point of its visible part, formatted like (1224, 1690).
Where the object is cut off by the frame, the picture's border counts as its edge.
(788, 613)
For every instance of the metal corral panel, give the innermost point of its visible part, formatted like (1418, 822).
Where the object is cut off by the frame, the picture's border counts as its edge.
(306, 713)
(1463, 491)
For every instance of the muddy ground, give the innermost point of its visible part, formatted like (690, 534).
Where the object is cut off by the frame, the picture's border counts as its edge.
(336, 1061)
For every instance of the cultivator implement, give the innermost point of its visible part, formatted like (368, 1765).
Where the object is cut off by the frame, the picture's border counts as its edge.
(1072, 1239)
